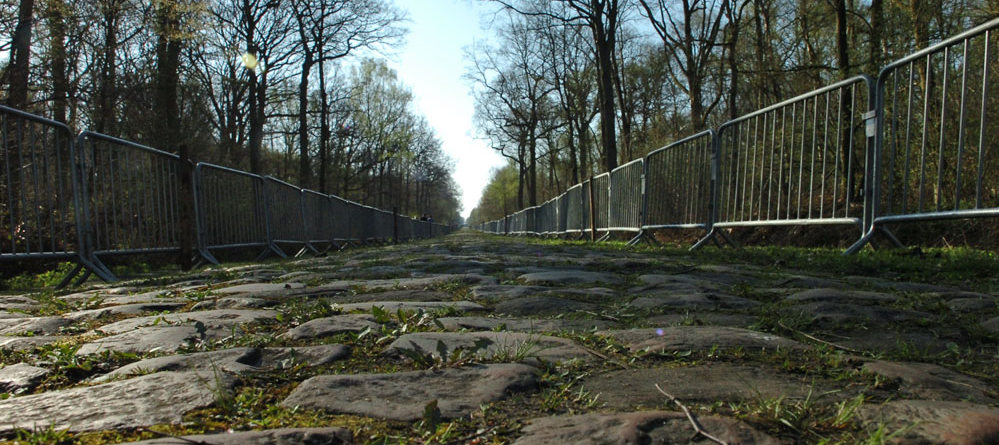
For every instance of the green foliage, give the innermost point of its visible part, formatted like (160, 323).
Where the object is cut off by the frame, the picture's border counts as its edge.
(43, 436)
(45, 279)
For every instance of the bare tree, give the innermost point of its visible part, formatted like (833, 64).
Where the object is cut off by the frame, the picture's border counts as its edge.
(329, 30)
(690, 37)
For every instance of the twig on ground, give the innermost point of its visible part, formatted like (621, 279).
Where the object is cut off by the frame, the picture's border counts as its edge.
(813, 338)
(606, 358)
(690, 417)
(608, 317)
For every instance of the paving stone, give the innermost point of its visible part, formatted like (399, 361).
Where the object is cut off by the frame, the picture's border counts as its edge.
(694, 338)
(932, 421)
(569, 277)
(637, 428)
(218, 319)
(700, 318)
(991, 325)
(259, 289)
(510, 292)
(145, 339)
(831, 295)
(35, 325)
(395, 284)
(972, 302)
(522, 324)
(234, 360)
(234, 303)
(635, 388)
(158, 296)
(395, 295)
(929, 381)
(153, 399)
(17, 302)
(283, 436)
(900, 286)
(4, 315)
(426, 306)
(807, 282)
(915, 340)
(404, 395)
(11, 343)
(287, 357)
(542, 305)
(680, 283)
(837, 314)
(20, 377)
(125, 309)
(337, 324)
(508, 346)
(699, 301)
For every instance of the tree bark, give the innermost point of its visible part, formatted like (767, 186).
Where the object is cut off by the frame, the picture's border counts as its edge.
(20, 56)
(55, 15)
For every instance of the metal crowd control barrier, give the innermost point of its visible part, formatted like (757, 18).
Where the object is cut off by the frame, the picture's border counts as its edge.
(39, 213)
(575, 221)
(547, 218)
(318, 217)
(601, 203)
(802, 161)
(587, 214)
(341, 228)
(130, 197)
(285, 216)
(562, 213)
(626, 197)
(678, 184)
(936, 134)
(230, 210)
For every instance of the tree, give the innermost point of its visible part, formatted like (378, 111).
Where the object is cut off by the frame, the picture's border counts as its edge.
(20, 56)
(690, 36)
(329, 30)
(602, 19)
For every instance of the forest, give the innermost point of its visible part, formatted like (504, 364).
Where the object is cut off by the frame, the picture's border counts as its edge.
(287, 88)
(572, 88)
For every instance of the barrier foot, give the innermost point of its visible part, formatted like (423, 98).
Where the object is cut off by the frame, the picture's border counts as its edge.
(277, 250)
(604, 238)
(84, 277)
(69, 277)
(264, 254)
(637, 239)
(207, 256)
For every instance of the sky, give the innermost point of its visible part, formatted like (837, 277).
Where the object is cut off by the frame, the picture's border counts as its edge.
(431, 64)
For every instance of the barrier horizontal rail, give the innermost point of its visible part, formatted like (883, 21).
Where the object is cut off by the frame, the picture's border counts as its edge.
(936, 129)
(230, 210)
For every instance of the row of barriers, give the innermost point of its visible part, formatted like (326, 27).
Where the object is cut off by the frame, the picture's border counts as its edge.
(92, 196)
(920, 143)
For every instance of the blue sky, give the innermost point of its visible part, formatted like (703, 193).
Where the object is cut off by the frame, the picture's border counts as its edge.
(432, 64)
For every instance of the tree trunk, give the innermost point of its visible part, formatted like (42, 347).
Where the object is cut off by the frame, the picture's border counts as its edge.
(304, 171)
(324, 132)
(877, 37)
(605, 91)
(105, 120)
(842, 48)
(168, 48)
(20, 57)
(55, 14)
